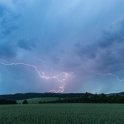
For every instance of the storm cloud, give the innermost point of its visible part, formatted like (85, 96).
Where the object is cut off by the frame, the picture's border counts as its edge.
(76, 45)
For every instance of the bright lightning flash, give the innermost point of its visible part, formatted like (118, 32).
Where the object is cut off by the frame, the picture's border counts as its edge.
(60, 78)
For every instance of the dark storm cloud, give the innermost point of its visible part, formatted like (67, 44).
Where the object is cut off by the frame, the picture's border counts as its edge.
(43, 33)
(107, 52)
(114, 34)
(8, 26)
(7, 51)
(2, 10)
(26, 45)
(8, 19)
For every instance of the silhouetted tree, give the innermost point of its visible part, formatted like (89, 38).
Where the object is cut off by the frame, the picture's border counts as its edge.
(25, 102)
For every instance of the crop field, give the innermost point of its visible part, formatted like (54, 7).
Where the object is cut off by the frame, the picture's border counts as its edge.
(37, 100)
(62, 114)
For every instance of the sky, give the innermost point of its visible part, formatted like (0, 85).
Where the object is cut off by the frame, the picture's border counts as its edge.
(61, 46)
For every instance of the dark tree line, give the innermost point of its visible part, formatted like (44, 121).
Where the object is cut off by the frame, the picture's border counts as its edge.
(22, 96)
(7, 102)
(65, 98)
(91, 98)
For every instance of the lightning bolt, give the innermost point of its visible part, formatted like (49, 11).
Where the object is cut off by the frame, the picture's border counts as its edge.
(60, 90)
(61, 77)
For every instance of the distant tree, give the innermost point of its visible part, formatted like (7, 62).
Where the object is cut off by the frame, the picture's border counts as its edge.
(25, 102)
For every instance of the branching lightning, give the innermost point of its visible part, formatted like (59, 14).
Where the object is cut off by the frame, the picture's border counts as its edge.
(61, 78)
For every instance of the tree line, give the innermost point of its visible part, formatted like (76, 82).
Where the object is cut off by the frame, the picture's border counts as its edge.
(66, 98)
(91, 98)
(6, 102)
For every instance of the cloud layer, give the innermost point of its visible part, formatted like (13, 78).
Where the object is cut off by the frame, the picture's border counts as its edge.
(76, 45)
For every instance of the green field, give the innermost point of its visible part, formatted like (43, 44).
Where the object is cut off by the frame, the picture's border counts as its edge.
(37, 100)
(62, 114)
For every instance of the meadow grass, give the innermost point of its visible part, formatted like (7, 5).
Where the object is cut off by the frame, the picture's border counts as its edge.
(37, 100)
(62, 114)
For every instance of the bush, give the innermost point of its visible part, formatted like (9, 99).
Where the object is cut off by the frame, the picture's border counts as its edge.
(25, 102)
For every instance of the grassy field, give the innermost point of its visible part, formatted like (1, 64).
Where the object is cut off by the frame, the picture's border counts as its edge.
(37, 100)
(62, 114)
